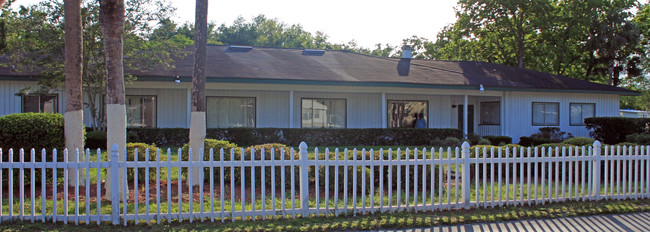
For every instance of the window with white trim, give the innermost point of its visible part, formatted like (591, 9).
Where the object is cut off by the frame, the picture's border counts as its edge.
(40, 103)
(141, 111)
(229, 112)
(490, 113)
(580, 111)
(323, 113)
(402, 113)
(546, 114)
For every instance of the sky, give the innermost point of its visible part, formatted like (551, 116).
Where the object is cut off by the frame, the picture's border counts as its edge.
(365, 21)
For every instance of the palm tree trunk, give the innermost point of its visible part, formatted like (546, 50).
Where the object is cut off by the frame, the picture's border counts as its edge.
(74, 136)
(198, 121)
(111, 16)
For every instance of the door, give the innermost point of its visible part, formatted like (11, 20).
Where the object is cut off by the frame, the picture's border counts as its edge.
(470, 118)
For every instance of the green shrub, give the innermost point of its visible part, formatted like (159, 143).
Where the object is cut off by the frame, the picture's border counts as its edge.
(579, 141)
(473, 138)
(639, 138)
(553, 145)
(532, 141)
(613, 130)
(216, 145)
(484, 141)
(142, 156)
(133, 137)
(552, 133)
(451, 142)
(96, 139)
(498, 139)
(32, 130)
(293, 136)
(627, 144)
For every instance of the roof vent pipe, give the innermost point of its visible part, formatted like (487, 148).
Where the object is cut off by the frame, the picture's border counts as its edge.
(407, 52)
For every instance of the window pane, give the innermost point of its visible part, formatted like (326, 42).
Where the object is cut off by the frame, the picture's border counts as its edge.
(403, 114)
(576, 114)
(140, 111)
(40, 104)
(551, 116)
(30, 104)
(538, 114)
(581, 111)
(490, 113)
(48, 104)
(588, 111)
(546, 114)
(227, 112)
(323, 113)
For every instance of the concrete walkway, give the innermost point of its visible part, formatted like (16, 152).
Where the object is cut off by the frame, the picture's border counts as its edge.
(616, 222)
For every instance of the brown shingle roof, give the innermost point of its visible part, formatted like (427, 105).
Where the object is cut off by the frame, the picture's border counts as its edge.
(283, 65)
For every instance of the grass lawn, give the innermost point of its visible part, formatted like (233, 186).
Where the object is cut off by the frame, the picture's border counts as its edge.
(367, 222)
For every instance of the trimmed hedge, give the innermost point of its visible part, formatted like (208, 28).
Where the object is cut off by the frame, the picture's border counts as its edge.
(96, 139)
(579, 141)
(292, 137)
(32, 130)
(613, 130)
(497, 140)
(643, 139)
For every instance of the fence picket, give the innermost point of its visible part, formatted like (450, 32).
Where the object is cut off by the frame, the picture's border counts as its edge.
(535, 176)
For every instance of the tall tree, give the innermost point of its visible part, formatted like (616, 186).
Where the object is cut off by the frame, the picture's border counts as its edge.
(35, 40)
(612, 32)
(74, 134)
(111, 17)
(198, 118)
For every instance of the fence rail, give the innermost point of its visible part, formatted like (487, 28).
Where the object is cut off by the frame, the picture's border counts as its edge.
(238, 186)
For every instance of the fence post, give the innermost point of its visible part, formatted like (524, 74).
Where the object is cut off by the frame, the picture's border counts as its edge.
(465, 175)
(595, 190)
(114, 185)
(304, 179)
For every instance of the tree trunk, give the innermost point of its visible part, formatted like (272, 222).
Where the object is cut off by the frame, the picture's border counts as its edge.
(610, 70)
(74, 136)
(198, 121)
(111, 16)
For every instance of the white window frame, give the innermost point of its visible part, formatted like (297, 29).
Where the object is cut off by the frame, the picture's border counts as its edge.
(545, 123)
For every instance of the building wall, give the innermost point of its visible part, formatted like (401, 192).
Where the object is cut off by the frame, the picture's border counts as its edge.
(272, 107)
(364, 105)
(519, 110)
(11, 104)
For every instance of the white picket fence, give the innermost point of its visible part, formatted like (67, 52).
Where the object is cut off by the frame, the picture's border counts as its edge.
(328, 183)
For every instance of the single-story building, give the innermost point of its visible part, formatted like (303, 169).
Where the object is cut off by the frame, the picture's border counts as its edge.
(295, 88)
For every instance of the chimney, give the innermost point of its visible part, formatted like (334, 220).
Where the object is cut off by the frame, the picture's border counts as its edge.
(407, 52)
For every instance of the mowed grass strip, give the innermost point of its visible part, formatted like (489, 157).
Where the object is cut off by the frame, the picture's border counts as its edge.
(398, 220)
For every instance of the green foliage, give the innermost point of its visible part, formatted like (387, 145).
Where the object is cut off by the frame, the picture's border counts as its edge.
(293, 137)
(627, 144)
(532, 141)
(96, 139)
(498, 139)
(142, 148)
(451, 142)
(639, 138)
(32, 130)
(216, 145)
(545, 135)
(579, 141)
(34, 41)
(613, 130)
(586, 40)
(484, 141)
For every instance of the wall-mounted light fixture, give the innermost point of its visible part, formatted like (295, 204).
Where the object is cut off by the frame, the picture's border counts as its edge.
(177, 80)
(480, 88)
